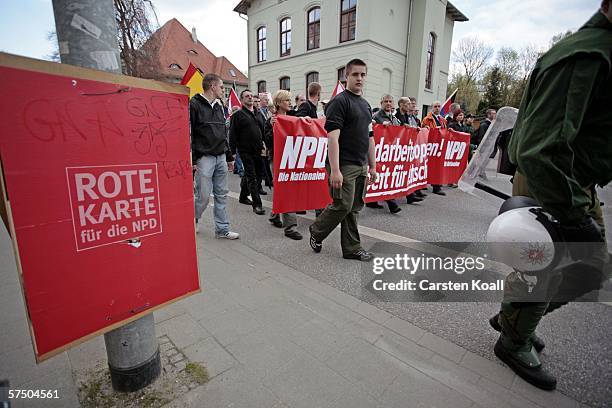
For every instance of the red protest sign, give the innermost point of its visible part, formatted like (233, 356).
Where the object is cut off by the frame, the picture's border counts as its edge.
(111, 204)
(449, 155)
(401, 162)
(99, 196)
(300, 151)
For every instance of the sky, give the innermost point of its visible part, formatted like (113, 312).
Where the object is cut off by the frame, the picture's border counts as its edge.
(25, 24)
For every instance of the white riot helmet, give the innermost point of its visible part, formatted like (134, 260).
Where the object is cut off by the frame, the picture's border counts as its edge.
(524, 237)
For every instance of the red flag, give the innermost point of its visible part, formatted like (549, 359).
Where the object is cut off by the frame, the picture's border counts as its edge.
(339, 88)
(446, 107)
(233, 101)
(188, 74)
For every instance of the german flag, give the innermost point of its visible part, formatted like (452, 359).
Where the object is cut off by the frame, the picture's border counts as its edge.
(193, 79)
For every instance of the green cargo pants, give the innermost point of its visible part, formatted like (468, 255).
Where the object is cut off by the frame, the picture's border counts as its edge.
(519, 320)
(344, 210)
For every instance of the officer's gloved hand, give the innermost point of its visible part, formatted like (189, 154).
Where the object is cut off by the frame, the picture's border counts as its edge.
(582, 237)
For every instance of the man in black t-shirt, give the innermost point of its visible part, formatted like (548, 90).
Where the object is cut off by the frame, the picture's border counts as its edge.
(350, 151)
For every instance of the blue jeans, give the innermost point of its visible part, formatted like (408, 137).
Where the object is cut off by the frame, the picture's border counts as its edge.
(239, 168)
(211, 176)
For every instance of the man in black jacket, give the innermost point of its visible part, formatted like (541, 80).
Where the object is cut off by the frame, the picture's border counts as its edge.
(484, 126)
(210, 153)
(246, 135)
(405, 115)
(309, 108)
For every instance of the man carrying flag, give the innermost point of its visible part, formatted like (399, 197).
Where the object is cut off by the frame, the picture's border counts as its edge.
(233, 103)
(450, 107)
(339, 88)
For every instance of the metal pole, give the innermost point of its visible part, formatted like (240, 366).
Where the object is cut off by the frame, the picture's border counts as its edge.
(87, 36)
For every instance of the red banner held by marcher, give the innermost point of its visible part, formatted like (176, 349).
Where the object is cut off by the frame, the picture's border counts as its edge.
(450, 160)
(300, 152)
(407, 159)
(401, 162)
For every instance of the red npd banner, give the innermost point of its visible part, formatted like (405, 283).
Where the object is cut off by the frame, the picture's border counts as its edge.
(401, 162)
(300, 152)
(98, 192)
(449, 155)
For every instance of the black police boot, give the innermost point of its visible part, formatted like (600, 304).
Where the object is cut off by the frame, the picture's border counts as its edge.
(538, 343)
(526, 364)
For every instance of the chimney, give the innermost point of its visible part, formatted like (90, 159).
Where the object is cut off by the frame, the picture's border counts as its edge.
(194, 37)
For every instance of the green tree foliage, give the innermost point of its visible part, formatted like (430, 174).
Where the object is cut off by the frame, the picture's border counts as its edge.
(483, 83)
(467, 94)
(493, 93)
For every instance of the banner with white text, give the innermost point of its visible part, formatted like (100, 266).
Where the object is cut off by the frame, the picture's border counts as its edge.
(300, 151)
(407, 159)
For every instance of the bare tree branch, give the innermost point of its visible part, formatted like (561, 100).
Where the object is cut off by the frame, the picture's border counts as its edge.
(135, 27)
(473, 57)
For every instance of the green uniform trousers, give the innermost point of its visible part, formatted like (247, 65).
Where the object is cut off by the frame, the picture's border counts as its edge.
(344, 210)
(519, 320)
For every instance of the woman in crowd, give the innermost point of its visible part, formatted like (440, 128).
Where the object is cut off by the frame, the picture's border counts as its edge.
(457, 123)
(282, 105)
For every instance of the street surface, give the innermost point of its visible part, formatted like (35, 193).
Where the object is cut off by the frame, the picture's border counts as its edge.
(578, 343)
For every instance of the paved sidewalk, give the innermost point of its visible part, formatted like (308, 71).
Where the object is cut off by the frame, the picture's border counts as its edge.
(271, 336)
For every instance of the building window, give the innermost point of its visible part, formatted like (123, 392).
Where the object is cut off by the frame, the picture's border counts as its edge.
(342, 76)
(175, 66)
(194, 52)
(348, 16)
(261, 86)
(285, 37)
(285, 83)
(387, 77)
(431, 50)
(310, 78)
(314, 28)
(261, 44)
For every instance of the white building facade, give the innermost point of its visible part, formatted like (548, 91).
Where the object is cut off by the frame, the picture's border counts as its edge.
(405, 43)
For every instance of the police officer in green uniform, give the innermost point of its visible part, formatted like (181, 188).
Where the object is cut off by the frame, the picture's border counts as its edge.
(562, 146)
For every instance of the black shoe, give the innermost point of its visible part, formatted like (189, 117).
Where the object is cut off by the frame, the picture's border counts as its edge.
(246, 201)
(395, 210)
(276, 222)
(262, 192)
(452, 185)
(293, 234)
(360, 255)
(300, 212)
(439, 192)
(373, 205)
(538, 343)
(420, 194)
(413, 199)
(259, 210)
(535, 376)
(314, 244)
